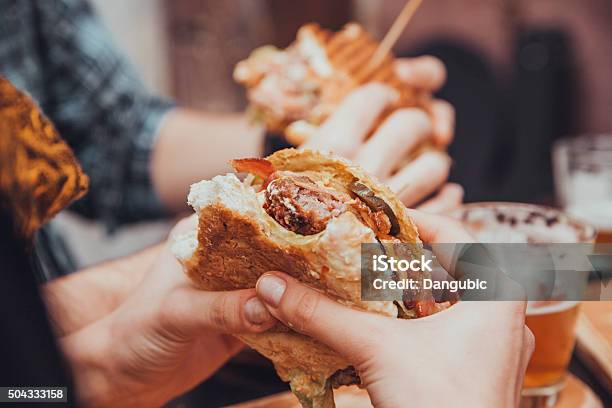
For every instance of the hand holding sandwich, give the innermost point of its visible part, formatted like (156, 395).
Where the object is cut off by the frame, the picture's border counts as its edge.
(322, 92)
(168, 336)
(473, 354)
(401, 134)
(164, 339)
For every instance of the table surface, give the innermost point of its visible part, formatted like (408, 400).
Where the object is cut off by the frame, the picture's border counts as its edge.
(575, 395)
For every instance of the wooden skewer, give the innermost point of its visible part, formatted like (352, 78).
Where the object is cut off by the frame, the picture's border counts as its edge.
(394, 32)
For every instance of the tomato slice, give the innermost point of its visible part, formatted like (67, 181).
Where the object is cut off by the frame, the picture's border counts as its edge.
(256, 166)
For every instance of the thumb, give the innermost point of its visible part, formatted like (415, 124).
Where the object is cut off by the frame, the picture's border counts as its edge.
(349, 332)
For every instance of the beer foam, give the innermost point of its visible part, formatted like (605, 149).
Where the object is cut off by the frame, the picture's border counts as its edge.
(589, 186)
(516, 225)
(598, 213)
(498, 235)
(549, 307)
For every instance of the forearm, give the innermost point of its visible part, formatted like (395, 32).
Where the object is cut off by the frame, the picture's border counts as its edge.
(193, 146)
(79, 299)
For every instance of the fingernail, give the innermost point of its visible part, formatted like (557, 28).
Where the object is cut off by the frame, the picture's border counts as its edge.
(255, 312)
(271, 289)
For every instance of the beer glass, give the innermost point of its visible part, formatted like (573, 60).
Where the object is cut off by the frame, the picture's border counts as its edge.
(551, 321)
(583, 180)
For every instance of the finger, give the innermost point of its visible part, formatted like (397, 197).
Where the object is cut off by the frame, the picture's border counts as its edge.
(300, 131)
(448, 198)
(424, 72)
(399, 134)
(189, 310)
(185, 225)
(443, 119)
(434, 228)
(309, 312)
(420, 177)
(344, 131)
(529, 343)
(526, 352)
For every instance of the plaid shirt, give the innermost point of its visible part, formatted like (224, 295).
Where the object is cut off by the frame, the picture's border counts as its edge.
(60, 53)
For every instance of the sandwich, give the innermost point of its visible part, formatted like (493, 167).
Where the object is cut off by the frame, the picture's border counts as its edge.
(295, 89)
(305, 213)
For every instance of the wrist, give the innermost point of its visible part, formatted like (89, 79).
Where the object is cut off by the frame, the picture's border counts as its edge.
(102, 375)
(87, 354)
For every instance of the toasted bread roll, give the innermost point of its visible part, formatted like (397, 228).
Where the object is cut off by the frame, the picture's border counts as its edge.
(241, 236)
(307, 81)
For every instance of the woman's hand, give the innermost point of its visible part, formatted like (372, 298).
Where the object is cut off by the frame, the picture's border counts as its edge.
(473, 354)
(164, 339)
(384, 153)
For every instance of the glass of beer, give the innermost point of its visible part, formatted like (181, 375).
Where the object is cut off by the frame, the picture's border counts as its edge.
(552, 320)
(583, 180)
